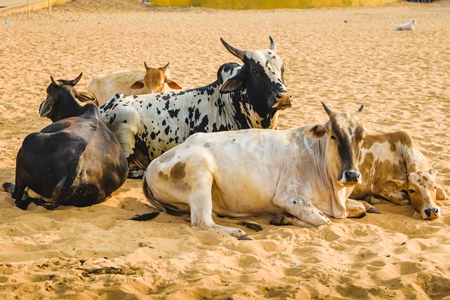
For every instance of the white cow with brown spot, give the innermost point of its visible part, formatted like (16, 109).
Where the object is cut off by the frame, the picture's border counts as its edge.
(393, 169)
(130, 82)
(300, 173)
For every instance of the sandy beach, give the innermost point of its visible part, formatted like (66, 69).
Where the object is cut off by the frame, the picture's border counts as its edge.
(342, 56)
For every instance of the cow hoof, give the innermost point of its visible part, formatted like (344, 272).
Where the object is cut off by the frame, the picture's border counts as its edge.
(252, 225)
(278, 220)
(245, 238)
(373, 210)
(136, 174)
(9, 187)
(22, 204)
(360, 216)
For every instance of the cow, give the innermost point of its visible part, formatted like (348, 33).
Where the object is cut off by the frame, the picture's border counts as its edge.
(392, 168)
(244, 96)
(130, 82)
(298, 174)
(74, 161)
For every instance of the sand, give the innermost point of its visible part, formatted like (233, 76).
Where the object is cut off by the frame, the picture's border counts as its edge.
(344, 57)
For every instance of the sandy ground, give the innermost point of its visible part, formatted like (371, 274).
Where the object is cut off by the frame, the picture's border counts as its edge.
(344, 57)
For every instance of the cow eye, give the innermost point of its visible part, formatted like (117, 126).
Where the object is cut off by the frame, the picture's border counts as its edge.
(333, 137)
(254, 72)
(411, 191)
(435, 187)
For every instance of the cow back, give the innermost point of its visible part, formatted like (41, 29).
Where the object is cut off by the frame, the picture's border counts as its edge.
(76, 161)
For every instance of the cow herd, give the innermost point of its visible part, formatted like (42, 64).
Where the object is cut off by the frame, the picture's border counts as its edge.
(215, 149)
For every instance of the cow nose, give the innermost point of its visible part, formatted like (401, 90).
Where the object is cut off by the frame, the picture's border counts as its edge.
(351, 176)
(284, 100)
(432, 213)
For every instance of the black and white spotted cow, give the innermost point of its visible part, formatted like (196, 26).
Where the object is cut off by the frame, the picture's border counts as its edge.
(243, 96)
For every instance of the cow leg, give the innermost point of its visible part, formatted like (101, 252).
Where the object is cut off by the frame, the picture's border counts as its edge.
(9, 187)
(355, 209)
(19, 194)
(186, 182)
(201, 215)
(375, 200)
(392, 191)
(440, 194)
(252, 225)
(369, 208)
(23, 199)
(301, 208)
(286, 219)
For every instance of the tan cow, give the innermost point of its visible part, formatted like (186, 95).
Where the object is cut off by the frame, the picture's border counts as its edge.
(130, 82)
(391, 168)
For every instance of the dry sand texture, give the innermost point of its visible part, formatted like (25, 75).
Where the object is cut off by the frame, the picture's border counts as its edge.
(344, 57)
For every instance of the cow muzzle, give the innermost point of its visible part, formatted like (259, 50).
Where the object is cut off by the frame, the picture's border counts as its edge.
(284, 100)
(431, 213)
(350, 178)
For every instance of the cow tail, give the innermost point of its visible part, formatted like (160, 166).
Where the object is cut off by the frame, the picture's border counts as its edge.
(171, 210)
(150, 198)
(149, 195)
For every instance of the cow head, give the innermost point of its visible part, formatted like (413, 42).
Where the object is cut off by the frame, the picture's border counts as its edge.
(60, 102)
(421, 189)
(154, 80)
(345, 137)
(261, 76)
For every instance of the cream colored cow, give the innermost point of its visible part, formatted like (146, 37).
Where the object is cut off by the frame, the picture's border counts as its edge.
(130, 82)
(301, 173)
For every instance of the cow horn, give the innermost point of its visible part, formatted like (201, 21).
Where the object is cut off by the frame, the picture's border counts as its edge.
(165, 67)
(145, 65)
(236, 52)
(329, 112)
(75, 81)
(86, 97)
(361, 108)
(55, 82)
(273, 46)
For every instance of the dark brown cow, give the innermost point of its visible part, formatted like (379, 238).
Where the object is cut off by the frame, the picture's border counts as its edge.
(74, 161)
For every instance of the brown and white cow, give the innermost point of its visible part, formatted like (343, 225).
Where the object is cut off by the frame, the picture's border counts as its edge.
(130, 82)
(303, 172)
(393, 169)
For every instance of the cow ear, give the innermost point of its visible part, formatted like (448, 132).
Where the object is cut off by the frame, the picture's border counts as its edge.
(316, 132)
(46, 106)
(231, 85)
(137, 85)
(433, 173)
(396, 185)
(172, 84)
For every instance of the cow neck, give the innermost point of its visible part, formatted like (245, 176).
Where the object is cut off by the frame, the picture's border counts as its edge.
(410, 159)
(338, 193)
(70, 108)
(230, 111)
(245, 114)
